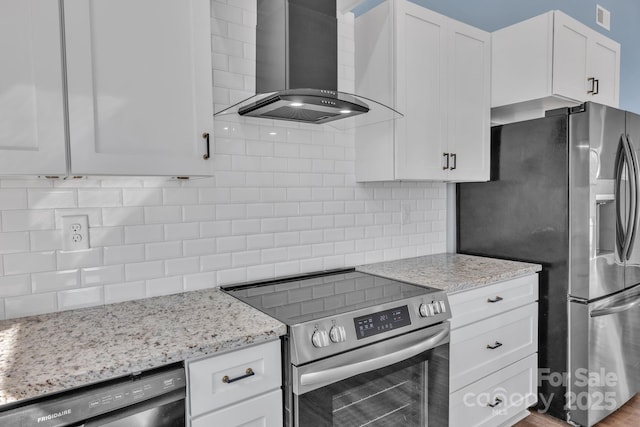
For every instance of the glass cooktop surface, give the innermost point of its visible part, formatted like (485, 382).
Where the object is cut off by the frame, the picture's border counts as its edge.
(297, 300)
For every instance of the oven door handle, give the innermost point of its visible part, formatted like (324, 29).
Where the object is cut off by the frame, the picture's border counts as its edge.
(338, 373)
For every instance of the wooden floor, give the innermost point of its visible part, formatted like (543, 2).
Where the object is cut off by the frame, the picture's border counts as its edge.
(627, 416)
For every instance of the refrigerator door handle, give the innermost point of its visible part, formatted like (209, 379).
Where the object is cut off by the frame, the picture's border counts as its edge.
(617, 174)
(613, 309)
(633, 225)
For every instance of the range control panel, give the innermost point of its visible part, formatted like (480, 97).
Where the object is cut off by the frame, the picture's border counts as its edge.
(324, 337)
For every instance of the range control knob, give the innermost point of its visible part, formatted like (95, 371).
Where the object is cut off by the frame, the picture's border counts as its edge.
(443, 306)
(427, 310)
(320, 338)
(338, 334)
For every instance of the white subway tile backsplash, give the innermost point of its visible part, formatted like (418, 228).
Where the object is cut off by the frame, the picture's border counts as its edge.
(144, 270)
(50, 199)
(122, 216)
(141, 197)
(99, 198)
(163, 250)
(29, 305)
(226, 277)
(29, 262)
(182, 231)
(123, 254)
(199, 247)
(93, 276)
(78, 298)
(198, 213)
(14, 242)
(106, 236)
(14, 285)
(13, 199)
(181, 266)
(92, 257)
(124, 292)
(55, 281)
(44, 240)
(194, 282)
(164, 286)
(143, 233)
(283, 201)
(16, 220)
(162, 214)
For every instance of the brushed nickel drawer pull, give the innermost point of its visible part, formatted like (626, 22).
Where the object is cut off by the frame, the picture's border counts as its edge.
(496, 299)
(493, 347)
(249, 372)
(495, 403)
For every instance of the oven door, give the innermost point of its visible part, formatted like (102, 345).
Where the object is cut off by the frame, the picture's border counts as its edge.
(400, 381)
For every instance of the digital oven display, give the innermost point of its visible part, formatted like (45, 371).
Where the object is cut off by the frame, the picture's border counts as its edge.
(382, 321)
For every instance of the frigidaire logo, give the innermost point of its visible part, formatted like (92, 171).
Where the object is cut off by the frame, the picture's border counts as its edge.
(54, 415)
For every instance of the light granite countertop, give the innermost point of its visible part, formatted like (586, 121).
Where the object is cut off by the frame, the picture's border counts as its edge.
(53, 352)
(451, 272)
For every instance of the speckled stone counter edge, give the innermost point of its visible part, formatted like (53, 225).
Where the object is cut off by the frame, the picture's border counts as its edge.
(49, 353)
(451, 272)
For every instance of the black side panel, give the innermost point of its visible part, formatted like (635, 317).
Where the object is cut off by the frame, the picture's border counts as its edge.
(523, 214)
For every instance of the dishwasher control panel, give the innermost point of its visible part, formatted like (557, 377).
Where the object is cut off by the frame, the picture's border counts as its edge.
(88, 402)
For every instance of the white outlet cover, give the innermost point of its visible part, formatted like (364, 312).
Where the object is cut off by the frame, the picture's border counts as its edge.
(75, 232)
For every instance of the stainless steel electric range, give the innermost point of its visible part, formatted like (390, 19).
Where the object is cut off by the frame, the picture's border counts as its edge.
(360, 349)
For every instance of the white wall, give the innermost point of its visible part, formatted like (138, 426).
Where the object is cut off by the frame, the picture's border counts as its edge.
(283, 201)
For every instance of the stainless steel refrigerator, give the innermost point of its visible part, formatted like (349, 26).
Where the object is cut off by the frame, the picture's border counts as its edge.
(564, 193)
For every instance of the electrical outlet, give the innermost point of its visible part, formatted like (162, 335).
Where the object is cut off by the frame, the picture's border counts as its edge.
(75, 232)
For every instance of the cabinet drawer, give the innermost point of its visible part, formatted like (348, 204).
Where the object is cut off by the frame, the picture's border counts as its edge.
(263, 411)
(207, 391)
(480, 303)
(514, 386)
(491, 344)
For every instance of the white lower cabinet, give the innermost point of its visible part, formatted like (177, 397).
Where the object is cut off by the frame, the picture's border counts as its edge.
(237, 388)
(494, 344)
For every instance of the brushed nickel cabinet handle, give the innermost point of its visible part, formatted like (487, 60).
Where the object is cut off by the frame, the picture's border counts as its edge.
(496, 299)
(445, 165)
(454, 159)
(206, 136)
(248, 373)
(493, 347)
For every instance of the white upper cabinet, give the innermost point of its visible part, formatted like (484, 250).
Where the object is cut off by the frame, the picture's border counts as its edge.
(436, 72)
(32, 135)
(551, 61)
(139, 82)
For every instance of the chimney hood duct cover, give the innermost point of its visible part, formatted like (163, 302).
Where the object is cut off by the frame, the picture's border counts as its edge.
(297, 69)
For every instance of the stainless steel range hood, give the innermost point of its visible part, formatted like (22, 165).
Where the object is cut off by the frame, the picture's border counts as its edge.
(297, 69)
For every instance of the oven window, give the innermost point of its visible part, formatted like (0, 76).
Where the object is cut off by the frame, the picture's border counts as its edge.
(413, 392)
(392, 400)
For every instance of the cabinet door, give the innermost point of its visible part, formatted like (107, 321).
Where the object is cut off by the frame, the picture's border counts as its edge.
(469, 102)
(570, 59)
(604, 64)
(421, 136)
(262, 411)
(32, 138)
(140, 86)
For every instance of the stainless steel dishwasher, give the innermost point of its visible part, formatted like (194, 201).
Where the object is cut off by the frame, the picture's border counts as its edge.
(151, 398)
